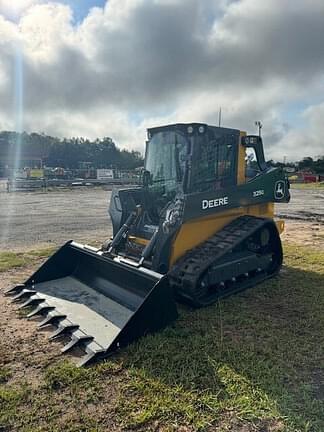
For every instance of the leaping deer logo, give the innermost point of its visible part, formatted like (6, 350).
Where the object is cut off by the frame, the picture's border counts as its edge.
(279, 189)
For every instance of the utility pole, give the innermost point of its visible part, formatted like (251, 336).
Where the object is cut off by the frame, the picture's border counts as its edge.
(220, 117)
(259, 125)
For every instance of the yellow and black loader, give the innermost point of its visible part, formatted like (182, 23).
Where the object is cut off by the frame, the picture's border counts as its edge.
(200, 227)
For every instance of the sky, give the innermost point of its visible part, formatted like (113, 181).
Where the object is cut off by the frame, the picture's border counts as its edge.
(98, 68)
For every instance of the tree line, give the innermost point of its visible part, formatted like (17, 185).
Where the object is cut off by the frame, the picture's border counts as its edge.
(310, 164)
(315, 166)
(69, 152)
(99, 153)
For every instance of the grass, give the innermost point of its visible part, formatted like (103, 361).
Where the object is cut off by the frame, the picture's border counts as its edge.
(11, 399)
(5, 374)
(307, 185)
(252, 362)
(11, 260)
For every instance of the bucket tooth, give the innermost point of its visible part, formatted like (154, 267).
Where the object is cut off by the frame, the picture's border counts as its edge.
(87, 359)
(51, 319)
(93, 351)
(24, 293)
(32, 301)
(63, 330)
(14, 289)
(40, 310)
(75, 341)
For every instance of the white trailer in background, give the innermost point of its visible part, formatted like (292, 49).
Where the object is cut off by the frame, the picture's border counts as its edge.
(105, 174)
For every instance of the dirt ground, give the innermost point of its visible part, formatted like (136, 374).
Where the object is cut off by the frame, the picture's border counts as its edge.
(28, 342)
(304, 233)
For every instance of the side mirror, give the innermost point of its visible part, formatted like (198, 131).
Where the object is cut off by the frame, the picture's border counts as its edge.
(255, 142)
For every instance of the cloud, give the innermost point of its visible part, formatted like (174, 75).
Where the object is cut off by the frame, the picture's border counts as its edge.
(138, 63)
(14, 8)
(304, 142)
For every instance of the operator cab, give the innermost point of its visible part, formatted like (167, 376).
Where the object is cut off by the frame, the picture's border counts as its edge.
(192, 157)
(183, 159)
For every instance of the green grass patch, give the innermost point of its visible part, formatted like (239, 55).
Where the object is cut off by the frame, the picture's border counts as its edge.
(146, 399)
(65, 374)
(305, 259)
(10, 260)
(307, 186)
(41, 253)
(5, 374)
(11, 399)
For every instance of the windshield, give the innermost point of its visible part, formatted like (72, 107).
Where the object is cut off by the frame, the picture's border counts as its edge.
(166, 158)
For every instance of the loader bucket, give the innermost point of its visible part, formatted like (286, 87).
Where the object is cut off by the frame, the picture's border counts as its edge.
(102, 304)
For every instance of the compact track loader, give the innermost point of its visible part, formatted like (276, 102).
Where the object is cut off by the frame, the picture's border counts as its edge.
(200, 227)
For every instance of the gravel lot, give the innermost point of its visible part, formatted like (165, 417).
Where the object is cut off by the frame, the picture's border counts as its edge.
(30, 218)
(305, 205)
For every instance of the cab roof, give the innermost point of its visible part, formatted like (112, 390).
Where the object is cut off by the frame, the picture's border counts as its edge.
(185, 128)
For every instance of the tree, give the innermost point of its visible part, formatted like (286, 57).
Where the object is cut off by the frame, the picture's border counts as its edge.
(306, 163)
(68, 153)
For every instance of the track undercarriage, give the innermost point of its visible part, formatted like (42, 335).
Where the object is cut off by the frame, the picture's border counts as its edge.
(245, 252)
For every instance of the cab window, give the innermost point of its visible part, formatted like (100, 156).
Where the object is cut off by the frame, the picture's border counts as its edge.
(252, 168)
(213, 166)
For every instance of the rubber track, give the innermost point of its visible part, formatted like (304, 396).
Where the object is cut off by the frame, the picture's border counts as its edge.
(185, 274)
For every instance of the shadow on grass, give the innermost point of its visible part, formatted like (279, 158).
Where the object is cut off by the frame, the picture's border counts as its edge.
(253, 358)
